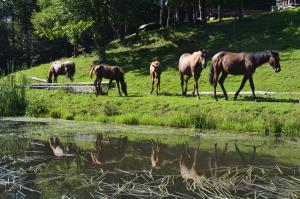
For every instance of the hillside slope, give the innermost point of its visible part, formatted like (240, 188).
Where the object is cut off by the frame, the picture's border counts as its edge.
(279, 31)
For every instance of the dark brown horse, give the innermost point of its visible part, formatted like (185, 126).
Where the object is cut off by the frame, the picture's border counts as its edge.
(61, 68)
(111, 73)
(191, 65)
(240, 64)
(155, 73)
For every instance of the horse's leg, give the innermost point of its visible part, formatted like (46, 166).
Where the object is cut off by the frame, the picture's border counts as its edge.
(196, 86)
(109, 85)
(216, 77)
(55, 79)
(118, 84)
(186, 83)
(96, 86)
(241, 87)
(157, 85)
(182, 82)
(252, 87)
(153, 80)
(221, 82)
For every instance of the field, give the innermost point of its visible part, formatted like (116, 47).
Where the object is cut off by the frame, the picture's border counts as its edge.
(272, 114)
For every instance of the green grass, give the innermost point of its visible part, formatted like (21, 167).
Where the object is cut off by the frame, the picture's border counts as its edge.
(278, 31)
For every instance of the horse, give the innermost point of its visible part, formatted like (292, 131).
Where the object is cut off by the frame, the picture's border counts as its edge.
(113, 153)
(61, 68)
(191, 65)
(111, 73)
(240, 64)
(155, 73)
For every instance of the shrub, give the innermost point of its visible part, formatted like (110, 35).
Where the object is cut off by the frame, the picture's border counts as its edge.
(36, 108)
(12, 96)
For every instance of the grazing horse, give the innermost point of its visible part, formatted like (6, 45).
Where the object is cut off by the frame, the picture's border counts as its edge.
(113, 153)
(240, 64)
(61, 68)
(155, 73)
(111, 73)
(191, 65)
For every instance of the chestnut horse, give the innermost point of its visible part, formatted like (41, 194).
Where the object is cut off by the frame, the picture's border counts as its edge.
(191, 65)
(155, 73)
(61, 68)
(240, 64)
(111, 73)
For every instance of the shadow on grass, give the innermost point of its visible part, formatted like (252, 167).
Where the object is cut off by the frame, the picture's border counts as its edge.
(278, 31)
(270, 99)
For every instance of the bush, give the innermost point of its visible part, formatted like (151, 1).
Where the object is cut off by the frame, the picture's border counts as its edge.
(110, 110)
(12, 96)
(36, 108)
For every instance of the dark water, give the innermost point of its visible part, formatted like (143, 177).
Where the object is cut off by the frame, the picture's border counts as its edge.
(60, 159)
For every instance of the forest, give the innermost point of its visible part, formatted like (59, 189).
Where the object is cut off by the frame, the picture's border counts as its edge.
(38, 31)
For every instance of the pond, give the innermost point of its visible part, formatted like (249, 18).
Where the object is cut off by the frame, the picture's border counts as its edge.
(41, 158)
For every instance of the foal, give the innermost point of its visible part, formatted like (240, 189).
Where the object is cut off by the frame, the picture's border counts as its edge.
(155, 73)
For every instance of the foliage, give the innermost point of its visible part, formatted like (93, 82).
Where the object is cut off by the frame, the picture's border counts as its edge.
(12, 96)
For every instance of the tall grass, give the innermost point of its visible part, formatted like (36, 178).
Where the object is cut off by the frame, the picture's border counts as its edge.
(12, 96)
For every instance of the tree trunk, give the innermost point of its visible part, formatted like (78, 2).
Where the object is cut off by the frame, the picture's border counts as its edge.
(200, 13)
(220, 10)
(241, 9)
(203, 11)
(169, 17)
(161, 13)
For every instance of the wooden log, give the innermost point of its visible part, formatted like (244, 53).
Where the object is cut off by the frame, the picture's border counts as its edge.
(37, 79)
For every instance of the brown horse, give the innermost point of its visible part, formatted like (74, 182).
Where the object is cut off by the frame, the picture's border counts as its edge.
(111, 73)
(155, 73)
(113, 153)
(61, 68)
(240, 64)
(191, 65)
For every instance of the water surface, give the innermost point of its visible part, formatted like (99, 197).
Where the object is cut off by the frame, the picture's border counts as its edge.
(54, 159)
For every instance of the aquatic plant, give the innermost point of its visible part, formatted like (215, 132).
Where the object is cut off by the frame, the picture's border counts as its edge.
(12, 96)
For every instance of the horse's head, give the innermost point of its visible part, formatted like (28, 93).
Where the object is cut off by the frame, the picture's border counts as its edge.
(274, 61)
(202, 58)
(69, 69)
(156, 66)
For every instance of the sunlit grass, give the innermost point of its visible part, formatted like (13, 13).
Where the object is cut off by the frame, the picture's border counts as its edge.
(278, 31)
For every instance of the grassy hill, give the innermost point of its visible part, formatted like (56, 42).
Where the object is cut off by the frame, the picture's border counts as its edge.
(278, 31)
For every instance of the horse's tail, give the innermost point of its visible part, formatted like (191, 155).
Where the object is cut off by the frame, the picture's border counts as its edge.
(92, 71)
(49, 80)
(215, 64)
(211, 74)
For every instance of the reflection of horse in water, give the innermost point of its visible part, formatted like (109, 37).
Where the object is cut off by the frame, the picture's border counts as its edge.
(154, 154)
(58, 149)
(188, 164)
(113, 153)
